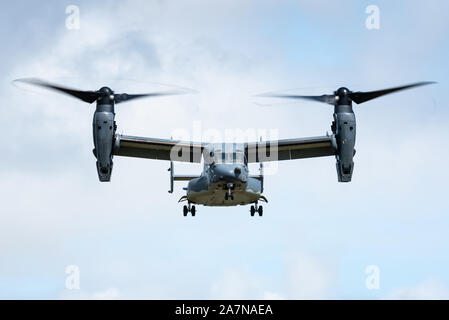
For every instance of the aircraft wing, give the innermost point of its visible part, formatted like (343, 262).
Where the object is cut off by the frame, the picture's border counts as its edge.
(186, 151)
(290, 149)
(158, 149)
(185, 177)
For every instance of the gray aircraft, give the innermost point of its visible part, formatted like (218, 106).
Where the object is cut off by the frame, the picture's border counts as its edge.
(225, 180)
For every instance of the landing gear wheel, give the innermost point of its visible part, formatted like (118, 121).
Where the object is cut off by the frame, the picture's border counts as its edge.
(260, 211)
(185, 211)
(193, 211)
(252, 211)
(229, 194)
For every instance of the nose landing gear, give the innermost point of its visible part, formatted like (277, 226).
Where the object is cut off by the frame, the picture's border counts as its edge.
(229, 194)
(187, 209)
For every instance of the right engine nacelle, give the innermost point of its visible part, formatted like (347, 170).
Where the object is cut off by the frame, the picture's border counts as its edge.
(344, 128)
(103, 132)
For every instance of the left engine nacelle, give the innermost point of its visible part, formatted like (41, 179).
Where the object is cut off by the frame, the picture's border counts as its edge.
(344, 128)
(103, 133)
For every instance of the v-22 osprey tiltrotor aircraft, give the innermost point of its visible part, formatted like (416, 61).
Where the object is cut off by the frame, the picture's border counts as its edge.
(225, 180)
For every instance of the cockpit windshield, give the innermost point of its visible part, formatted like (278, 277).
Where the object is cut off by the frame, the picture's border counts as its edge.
(229, 157)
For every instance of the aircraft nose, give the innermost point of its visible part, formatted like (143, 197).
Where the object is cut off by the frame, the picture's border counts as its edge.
(228, 173)
(237, 171)
(225, 173)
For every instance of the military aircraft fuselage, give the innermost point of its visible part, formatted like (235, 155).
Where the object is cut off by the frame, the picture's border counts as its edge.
(225, 181)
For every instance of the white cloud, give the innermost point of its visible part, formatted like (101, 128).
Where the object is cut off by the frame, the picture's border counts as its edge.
(305, 278)
(430, 289)
(308, 278)
(268, 295)
(108, 294)
(235, 285)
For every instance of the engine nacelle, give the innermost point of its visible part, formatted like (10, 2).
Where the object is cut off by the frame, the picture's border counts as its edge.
(344, 128)
(103, 133)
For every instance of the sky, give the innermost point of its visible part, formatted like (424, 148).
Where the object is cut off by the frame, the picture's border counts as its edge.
(318, 239)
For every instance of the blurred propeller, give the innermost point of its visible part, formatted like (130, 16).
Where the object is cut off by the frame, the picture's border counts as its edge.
(361, 97)
(330, 99)
(358, 97)
(86, 96)
(91, 96)
(127, 97)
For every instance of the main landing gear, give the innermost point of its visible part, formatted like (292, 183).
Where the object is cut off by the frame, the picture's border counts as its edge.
(256, 208)
(188, 209)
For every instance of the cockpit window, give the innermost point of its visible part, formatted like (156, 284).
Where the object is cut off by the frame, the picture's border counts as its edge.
(229, 157)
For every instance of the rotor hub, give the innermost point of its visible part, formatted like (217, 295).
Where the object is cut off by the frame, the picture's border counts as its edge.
(106, 90)
(106, 97)
(342, 96)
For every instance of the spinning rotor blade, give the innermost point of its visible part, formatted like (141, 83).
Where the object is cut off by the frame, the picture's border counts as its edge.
(86, 96)
(361, 97)
(343, 94)
(91, 96)
(325, 98)
(127, 97)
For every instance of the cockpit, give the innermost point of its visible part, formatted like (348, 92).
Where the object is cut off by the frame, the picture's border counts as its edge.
(225, 153)
(237, 156)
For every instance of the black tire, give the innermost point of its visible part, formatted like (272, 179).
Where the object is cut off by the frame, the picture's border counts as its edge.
(185, 211)
(226, 196)
(193, 211)
(253, 211)
(260, 211)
